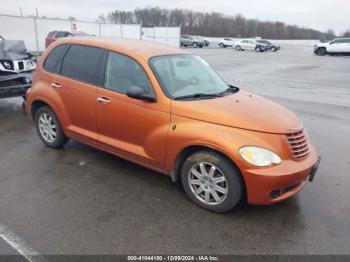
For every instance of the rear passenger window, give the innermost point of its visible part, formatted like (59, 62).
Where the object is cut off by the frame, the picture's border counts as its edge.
(123, 72)
(61, 34)
(53, 58)
(83, 63)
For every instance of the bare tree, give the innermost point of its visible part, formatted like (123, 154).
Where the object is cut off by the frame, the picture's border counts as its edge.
(347, 33)
(215, 24)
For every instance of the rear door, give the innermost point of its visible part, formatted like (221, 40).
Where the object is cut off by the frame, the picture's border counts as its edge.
(76, 86)
(186, 40)
(134, 129)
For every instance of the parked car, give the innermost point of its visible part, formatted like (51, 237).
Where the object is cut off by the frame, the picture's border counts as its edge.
(336, 46)
(166, 109)
(194, 41)
(16, 68)
(54, 35)
(226, 42)
(205, 41)
(250, 44)
(269, 46)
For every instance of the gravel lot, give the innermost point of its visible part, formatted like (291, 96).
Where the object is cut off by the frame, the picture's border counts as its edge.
(82, 201)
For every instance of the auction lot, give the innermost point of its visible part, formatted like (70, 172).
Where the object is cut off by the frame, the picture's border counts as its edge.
(79, 200)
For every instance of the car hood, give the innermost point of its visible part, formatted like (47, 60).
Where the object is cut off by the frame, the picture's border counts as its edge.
(13, 50)
(240, 110)
(322, 44)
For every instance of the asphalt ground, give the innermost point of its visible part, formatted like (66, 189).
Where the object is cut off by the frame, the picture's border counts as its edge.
(79, 200)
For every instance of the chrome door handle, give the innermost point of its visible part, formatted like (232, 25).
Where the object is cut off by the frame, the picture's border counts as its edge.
(102, 100)
(55, 85)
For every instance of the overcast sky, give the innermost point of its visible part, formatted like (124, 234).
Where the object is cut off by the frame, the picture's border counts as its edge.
(317, 14)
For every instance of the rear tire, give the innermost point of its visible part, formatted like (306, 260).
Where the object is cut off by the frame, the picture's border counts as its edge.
(212, 181)
(258, 49)
(195, 45)
(49, 128)
(221, 45)
(321, 51)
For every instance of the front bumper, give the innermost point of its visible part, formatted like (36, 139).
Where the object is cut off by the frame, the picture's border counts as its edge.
(274, 184)
(15, 84)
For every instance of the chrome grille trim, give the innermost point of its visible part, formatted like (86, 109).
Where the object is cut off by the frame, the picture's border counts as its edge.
(298, 144)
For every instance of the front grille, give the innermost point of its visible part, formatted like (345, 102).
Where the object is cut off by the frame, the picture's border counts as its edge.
(20, 65)
(299, 144)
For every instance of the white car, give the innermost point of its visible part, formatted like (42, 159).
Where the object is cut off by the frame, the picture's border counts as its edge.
(250, 44)
(226, 42)
(337, 46)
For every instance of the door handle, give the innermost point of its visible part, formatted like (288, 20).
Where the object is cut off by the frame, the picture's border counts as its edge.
(103, 100)
(55, 85)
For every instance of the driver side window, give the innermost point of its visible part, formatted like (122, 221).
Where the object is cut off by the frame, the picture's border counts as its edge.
(123, 72)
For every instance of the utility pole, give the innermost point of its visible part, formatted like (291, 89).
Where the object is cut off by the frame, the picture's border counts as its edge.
(36, 11)
(20, 10)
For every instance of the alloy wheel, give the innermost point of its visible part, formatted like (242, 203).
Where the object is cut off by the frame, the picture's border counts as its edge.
(47, 128)
(207, 183)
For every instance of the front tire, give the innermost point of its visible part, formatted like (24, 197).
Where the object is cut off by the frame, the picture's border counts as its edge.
(195, 45)
(49, 128)
(258, 49)
(273, 49)
(238, 48)
(321, 51)
(212, 181)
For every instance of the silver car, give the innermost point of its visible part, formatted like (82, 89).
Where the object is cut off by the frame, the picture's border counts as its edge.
(194, 41)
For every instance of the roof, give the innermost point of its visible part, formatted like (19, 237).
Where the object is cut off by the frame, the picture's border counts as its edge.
(145, 49)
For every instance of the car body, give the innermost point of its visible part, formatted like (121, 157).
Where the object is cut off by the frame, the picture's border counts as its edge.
(250, 44)
(54, 35)
(142, 101)
(336, 46)
(16, 68)
(194, 41)
(269, 46)
(205, 41)
(226, 42)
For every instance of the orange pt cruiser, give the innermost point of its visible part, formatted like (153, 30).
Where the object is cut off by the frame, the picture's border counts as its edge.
(166, 109)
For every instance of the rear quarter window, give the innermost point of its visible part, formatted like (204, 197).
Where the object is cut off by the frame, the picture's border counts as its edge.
(83, 63)
(52, 60)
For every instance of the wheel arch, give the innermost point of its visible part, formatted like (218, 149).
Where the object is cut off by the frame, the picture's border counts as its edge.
(191, 149)
(36, 104)
(322, 47)
(39, 102)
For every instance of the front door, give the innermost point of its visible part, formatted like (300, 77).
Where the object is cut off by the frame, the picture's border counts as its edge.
(335, 46)
(130, 128)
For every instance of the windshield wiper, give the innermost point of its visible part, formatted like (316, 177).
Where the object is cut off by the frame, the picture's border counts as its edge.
(230, 89)
(198, 95)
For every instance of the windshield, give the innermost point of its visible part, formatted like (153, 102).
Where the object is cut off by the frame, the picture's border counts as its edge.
(186, 75)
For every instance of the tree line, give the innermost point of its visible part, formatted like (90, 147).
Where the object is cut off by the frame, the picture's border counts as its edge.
(214, 24)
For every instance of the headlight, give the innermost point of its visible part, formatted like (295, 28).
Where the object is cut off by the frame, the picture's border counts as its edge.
(258, 156)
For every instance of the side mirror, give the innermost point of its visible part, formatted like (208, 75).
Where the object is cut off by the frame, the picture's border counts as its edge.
(137, 92)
